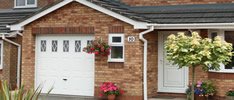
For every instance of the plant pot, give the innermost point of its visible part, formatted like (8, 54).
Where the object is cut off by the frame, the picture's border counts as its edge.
(197, 97)
(111, 97)
(230, 98)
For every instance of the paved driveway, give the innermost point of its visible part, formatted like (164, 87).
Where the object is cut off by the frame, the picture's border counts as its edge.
(65, 97)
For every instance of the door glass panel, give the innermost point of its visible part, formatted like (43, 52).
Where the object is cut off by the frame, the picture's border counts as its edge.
(54, 45)
(77, 46)
(65, 46)
(43, 45)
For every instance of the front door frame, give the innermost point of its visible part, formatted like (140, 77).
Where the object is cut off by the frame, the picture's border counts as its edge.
(160, 66)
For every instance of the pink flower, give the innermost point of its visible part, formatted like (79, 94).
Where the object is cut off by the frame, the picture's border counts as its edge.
(198, 86)
(100, 95)
(199, 82)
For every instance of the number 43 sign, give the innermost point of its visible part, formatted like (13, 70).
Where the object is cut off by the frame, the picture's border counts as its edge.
(131, 39)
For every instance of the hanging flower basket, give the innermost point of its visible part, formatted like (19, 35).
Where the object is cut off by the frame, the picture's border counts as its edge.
(98, 47)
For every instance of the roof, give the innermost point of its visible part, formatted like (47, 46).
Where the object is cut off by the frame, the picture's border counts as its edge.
(10, 16)
(177, 14)
(173, 14)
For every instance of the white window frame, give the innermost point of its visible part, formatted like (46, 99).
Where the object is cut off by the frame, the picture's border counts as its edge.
(222, 66)
(26, 5)
(116, 44)
(1, 64)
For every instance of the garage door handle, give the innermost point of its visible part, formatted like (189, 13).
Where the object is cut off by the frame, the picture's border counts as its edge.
(65, 79)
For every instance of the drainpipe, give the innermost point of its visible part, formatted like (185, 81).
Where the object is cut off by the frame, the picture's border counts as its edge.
(19, 56)
(141, 36)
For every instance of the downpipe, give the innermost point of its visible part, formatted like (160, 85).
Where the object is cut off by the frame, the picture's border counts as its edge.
(141, 37)
(18, 56)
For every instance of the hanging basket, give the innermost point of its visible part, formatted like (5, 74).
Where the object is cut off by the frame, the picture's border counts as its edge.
(98, 47)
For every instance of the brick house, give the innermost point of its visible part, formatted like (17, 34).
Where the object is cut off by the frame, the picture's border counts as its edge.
(42, 43)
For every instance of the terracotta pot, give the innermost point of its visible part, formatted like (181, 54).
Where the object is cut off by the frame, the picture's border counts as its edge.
(197, 97)
(111, 97)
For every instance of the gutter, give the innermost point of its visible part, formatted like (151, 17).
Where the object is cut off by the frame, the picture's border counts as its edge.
(19, 56)
(141, 37)
(194, 26)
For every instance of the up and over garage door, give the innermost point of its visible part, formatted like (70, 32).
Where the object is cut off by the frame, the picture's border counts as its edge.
(62, 65)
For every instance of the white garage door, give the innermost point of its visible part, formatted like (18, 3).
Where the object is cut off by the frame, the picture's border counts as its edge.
(62, 65)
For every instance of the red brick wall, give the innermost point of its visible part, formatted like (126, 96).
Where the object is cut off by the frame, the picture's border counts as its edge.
(9, 71)
(128, 76)
(152, 63)
(172, 2)
(223, 82)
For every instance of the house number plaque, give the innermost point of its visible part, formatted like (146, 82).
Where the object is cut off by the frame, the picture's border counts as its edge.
(131, 39)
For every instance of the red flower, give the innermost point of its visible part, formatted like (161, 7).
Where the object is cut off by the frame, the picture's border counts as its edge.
(96, 52)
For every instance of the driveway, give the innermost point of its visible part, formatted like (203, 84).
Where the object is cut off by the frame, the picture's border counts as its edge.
(65, 97)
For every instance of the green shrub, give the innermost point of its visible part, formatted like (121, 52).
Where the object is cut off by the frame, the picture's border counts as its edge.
(230, 93)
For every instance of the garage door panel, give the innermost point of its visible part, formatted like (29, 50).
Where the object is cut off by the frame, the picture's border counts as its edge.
(69, 72)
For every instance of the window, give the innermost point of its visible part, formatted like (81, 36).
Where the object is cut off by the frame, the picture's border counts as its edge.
(54, 45)
(229, 37)
(25, 3)
(116, 41)
(89, 42)
(77, 46)
(43, 45)
(65, 46)
(1, 54)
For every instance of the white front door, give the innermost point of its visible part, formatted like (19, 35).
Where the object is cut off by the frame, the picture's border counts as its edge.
(62, 65)
(171, 79)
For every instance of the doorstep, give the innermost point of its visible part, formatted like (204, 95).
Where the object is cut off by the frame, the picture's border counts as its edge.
(167, 99)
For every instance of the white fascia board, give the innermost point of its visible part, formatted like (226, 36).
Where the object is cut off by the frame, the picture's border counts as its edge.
(136, 24)
(194, 26)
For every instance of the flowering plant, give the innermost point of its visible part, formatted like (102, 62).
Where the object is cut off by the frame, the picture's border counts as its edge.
(109, 88)
(98, 47)
(230, 93)
(204, 88)
(194, 51)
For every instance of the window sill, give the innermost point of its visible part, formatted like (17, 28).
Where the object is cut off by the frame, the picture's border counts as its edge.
(115, 60)
(18, 7)
(223, 71)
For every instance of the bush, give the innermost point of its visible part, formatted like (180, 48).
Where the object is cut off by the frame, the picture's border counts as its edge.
(230, 93)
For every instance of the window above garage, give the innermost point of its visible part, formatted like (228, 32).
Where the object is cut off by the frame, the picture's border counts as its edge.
(25, 3)
(116, 42)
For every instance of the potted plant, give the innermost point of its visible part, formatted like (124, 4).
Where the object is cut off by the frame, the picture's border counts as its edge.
(204, 90)
(230, 95)
(110, 90)
(97, 47)
(194, 51)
